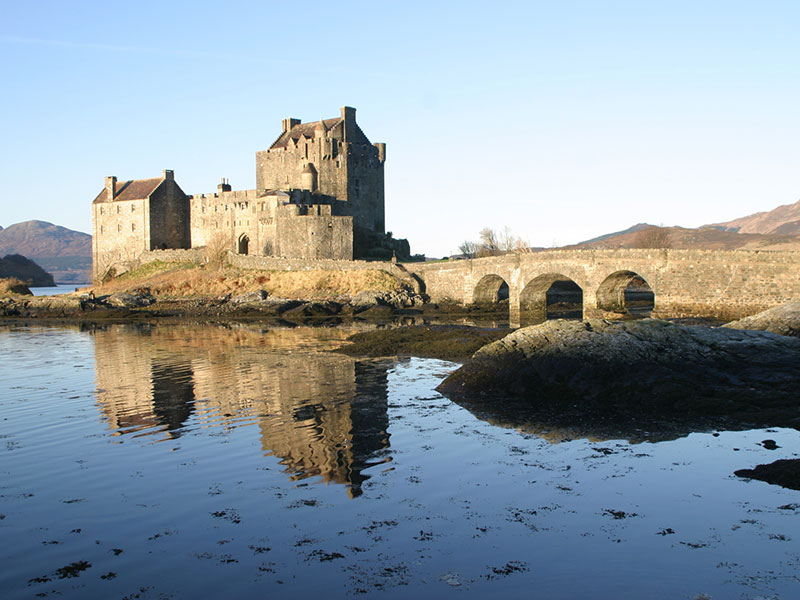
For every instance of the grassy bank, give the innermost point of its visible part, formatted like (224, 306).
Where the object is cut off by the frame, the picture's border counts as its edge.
(188, 280)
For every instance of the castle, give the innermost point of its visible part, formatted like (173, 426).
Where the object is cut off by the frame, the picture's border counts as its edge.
(319, 186)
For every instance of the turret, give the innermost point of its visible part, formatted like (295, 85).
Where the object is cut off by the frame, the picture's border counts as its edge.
(308, 178)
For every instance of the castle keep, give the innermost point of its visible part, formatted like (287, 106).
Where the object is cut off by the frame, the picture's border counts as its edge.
(317, 187)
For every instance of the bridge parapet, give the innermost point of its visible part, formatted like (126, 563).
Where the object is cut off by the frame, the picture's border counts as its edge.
(725, 284)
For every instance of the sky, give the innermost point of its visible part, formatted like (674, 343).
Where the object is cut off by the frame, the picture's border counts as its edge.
(562, 120)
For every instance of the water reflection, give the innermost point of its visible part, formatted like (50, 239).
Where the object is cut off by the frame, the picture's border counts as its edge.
(322, 414)
(601, 423)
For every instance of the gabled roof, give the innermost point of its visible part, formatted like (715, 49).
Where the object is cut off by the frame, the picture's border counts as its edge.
(305, 130)
(135, 189)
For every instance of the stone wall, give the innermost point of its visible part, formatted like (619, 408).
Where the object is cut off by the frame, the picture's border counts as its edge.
(120, 233)
(314, 236)
(169, 216)
(123, 229)
(723, 284)
(346, 166)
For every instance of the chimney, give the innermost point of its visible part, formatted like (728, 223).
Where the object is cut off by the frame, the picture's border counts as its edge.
(349, 118)
(111, 188)
(224, 185)
(169, 175)
(287, 124)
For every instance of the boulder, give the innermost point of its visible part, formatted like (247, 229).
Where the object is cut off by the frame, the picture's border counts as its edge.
(783, 319)
(135, 299)
(250, 297)
(646, 366)
(396, 299)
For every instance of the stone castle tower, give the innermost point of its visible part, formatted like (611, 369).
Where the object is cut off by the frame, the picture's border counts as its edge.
(330, 157)
(319, 186)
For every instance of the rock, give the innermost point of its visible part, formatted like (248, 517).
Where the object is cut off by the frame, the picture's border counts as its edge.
(134, 299)
(392, 298)
(250, 297)
(313, 309)
(646, 366)
(783, 319)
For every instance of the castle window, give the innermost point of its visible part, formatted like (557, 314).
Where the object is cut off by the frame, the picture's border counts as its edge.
(119, 209)
(101, 229)
(101, 210)
(216, 208)
(204, 210)
(119, 227)
(133, 208)
(133, 226)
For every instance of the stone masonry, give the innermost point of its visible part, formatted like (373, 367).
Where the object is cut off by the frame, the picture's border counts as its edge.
(709, 283)
(316, 183)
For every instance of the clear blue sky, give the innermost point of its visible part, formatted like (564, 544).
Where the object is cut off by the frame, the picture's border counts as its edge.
(562, 120)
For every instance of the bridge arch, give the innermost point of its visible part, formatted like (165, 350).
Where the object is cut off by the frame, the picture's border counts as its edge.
(491, 289)
(626, 292)
(550, 296)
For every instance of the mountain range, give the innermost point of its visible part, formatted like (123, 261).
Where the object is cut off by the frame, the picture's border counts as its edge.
(778, 229)
(64, 253)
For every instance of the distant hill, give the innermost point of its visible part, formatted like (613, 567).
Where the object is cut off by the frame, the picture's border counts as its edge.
(784, 220)
(15, 265)
(704, 238)
(65, 253)
(778, 229)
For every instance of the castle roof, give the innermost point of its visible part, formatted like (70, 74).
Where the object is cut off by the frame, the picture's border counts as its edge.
(135, 189)
(305, 130)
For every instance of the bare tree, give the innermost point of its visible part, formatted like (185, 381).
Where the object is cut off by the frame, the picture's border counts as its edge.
(217, 247)
(468, 248)
(494, 243)
(652, 237)
(488, 245)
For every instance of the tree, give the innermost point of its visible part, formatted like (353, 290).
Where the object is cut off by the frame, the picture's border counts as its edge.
(217, 248)
(468, 248)
(493, 243)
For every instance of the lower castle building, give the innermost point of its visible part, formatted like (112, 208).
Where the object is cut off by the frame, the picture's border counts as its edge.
(318, 187)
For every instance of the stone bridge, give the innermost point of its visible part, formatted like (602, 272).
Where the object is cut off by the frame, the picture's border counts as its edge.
(726, 284)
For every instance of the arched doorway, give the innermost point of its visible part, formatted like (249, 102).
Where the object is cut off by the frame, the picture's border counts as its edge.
(550, 296)
(626, 293)
(244, 244)
(491, 289)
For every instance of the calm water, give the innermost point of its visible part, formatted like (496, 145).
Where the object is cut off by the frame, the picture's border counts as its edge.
(241, 461)
(58, 289)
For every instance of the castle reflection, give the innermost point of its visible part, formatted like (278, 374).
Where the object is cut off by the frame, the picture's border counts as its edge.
(321, 414)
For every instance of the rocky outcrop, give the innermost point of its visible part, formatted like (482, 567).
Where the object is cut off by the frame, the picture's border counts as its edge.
(647, 367)
(393, 299)
(783, 319)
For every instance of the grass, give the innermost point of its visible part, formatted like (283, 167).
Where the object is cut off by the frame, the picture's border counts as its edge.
(187, 280)
(12, 285)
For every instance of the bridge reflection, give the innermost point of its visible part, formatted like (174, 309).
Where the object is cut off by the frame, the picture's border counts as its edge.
(321, 414)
